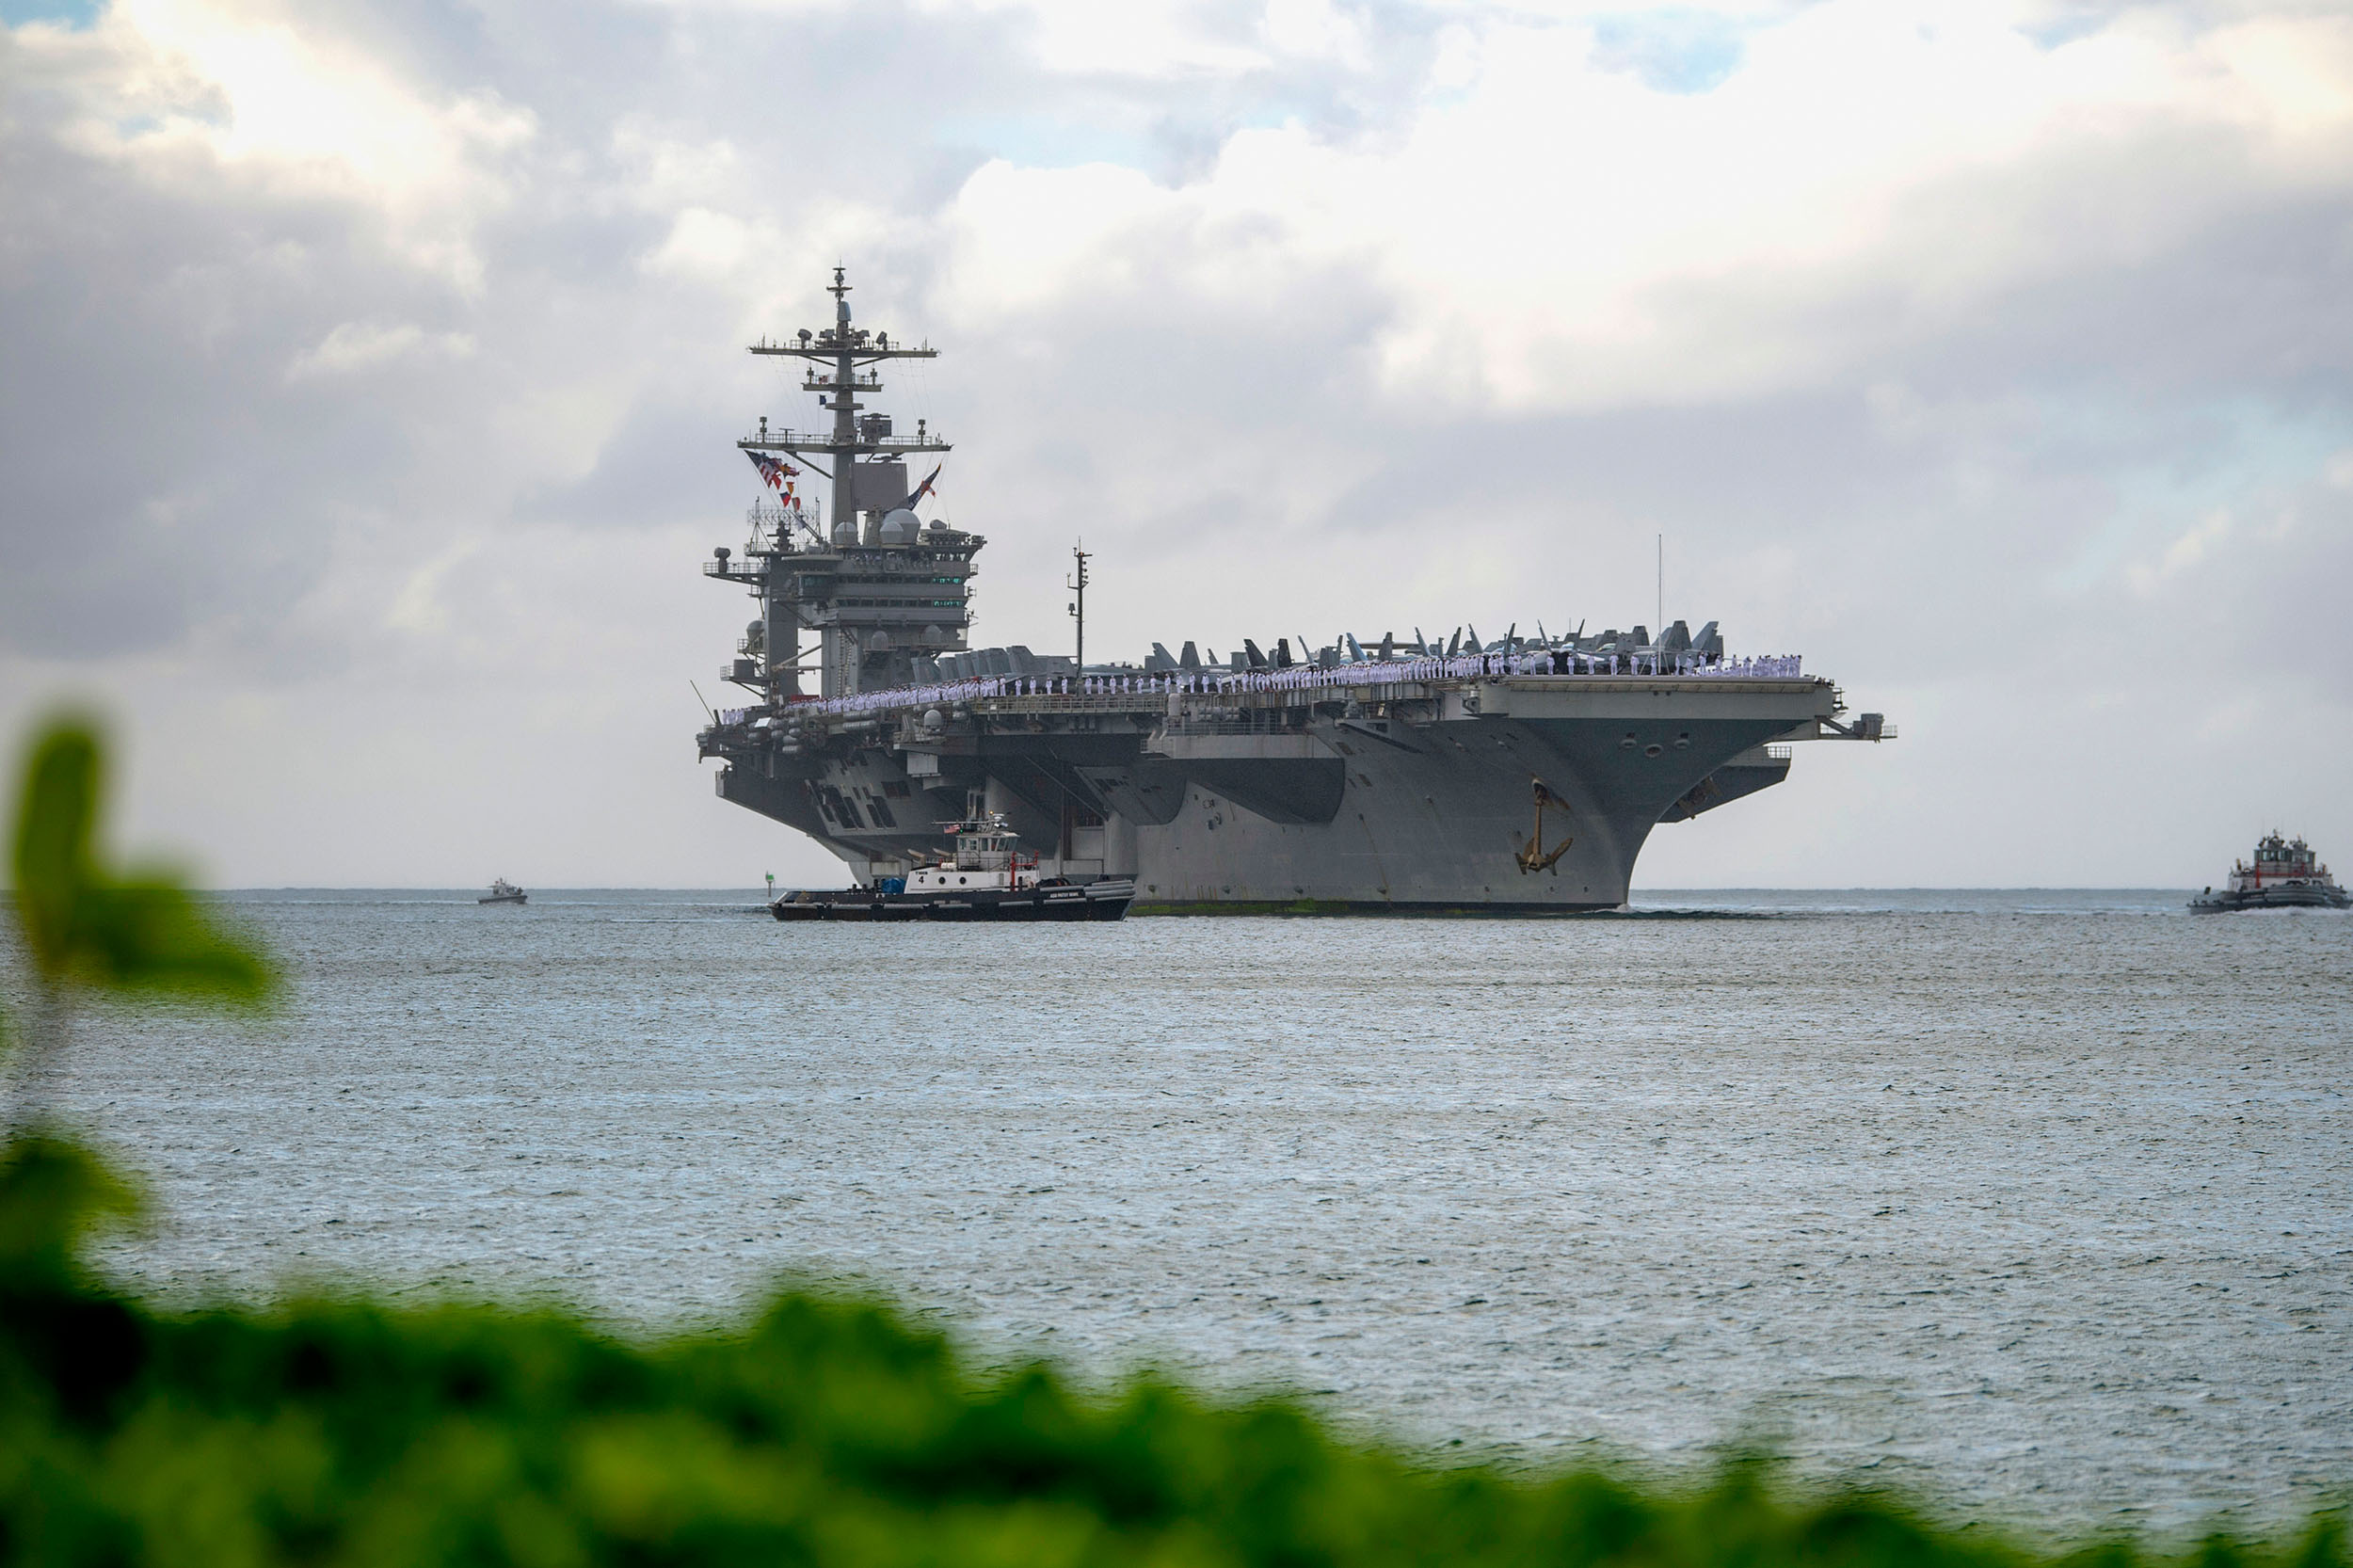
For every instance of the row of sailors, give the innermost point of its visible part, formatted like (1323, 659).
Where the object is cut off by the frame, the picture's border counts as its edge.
(1300, 677)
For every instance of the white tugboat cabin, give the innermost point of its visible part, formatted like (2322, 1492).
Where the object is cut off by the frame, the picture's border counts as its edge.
(987, 854)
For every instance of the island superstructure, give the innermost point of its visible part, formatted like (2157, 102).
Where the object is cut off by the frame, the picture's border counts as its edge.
(1381, 774)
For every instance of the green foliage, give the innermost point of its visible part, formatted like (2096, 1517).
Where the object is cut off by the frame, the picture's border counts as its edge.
(53, 1194)
(85, 925)
(827, 1431)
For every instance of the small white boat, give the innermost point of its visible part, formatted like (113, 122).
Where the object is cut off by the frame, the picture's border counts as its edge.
(503, 891)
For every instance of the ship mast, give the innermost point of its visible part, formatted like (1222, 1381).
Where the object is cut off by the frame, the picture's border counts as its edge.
(841, 350)
(867, 470)
(1077, 585)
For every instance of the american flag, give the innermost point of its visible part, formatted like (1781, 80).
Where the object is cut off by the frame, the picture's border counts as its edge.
(772, 470)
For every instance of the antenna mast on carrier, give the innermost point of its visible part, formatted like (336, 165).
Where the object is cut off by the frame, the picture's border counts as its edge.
(868, 571)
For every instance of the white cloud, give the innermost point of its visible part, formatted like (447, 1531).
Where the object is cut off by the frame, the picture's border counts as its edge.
(1558, 236)
(358, 345)
(419, 606)
(1134, 38)
(269, 95)
(2187, 549)
(1025, 239)
(1883, 313)
(707, 246)
(1455, 64)
(664, 171)
(1315, 29)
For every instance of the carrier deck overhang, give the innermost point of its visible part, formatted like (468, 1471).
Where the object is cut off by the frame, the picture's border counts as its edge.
(1414, 795)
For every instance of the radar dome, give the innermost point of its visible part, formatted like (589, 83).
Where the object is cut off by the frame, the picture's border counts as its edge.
(845, 533)
(900, 527)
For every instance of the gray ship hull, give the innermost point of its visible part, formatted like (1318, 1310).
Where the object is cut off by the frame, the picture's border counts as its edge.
(2314, 896)
(1419, 797)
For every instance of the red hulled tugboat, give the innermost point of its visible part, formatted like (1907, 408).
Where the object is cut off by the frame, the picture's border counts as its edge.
(2283, 875)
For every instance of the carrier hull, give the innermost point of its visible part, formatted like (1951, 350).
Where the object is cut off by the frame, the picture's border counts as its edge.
(1419, 801)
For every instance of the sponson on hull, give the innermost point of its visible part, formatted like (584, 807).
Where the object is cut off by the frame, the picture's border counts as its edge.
(2283, 875)
(1377, 772)
(984, 877)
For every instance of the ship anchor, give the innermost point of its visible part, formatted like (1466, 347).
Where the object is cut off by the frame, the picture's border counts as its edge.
(1533, 855)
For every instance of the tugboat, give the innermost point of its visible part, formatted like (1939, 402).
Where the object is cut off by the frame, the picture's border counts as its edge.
(503, 891)
(983, 878)
(2284, 876)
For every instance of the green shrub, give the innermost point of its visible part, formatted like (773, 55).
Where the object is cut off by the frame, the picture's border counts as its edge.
(826, 1431)
(829, 1432)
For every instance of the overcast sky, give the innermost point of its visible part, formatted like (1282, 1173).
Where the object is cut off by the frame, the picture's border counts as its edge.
(371, 371)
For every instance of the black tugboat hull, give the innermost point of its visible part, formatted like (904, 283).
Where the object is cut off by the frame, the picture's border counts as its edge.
(1095, 901)
(2273, 898)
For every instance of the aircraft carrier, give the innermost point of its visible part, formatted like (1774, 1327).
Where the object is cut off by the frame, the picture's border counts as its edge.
(1366, 775)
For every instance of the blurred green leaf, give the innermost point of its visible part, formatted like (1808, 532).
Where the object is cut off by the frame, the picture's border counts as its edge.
(85, 925)
(150, 935)
(55, 818)
(53, 1194)
(826, 1433)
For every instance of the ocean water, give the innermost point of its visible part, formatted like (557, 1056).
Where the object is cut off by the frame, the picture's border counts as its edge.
(2036, 1204)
